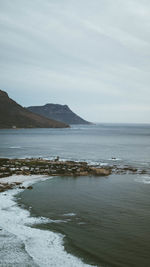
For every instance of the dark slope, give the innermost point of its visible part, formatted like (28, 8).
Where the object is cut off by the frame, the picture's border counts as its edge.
(58, 112)
(14, 115)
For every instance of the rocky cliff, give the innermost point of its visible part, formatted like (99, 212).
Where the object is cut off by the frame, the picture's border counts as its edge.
(13, 115)
(58, 112)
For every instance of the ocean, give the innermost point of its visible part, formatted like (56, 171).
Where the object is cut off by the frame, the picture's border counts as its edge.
(82, 221)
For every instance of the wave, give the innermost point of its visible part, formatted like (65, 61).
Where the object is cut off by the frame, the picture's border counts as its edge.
(69, 214)
(15, 147)
(23, 245)
(143, 179)
(115, 159)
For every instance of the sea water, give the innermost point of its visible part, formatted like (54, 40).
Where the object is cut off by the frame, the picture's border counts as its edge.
(84, 221)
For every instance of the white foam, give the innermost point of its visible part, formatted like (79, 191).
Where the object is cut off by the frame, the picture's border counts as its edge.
(143, 179)
(69, 214)
(115, 159)
(15, 147)
(12, 252)
(22, 178)
(103, 164)
(29, 245)
(94, 163)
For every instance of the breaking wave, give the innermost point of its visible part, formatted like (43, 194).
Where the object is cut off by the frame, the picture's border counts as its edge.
(23, 245)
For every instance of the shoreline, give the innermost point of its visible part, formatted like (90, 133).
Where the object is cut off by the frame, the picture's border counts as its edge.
(47, 247)
(30, 167)
(22, 230)
(19, 182)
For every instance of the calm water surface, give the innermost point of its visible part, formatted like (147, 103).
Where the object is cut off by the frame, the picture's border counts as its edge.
(99, 143)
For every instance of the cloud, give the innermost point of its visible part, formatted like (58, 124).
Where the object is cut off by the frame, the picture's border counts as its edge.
(91, 55)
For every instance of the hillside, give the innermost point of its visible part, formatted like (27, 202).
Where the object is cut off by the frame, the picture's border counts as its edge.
(13, 115)
(58, 112)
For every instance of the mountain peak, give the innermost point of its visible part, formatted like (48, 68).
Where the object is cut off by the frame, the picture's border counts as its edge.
(58, 112)
(3, 93)
(13, 115)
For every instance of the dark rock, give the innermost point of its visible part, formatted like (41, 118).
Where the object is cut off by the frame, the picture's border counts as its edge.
(17, 183)
(52, 167)
(100, 171)
(30, 187)
(12, 115)
(22, 187)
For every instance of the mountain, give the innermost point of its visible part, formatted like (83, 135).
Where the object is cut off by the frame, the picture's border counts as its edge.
(12, 115)
(58, 112)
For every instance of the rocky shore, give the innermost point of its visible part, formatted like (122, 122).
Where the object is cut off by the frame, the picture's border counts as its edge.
(39, 166)
(27, 167)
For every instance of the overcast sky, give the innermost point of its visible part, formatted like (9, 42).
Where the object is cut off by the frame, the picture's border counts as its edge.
(92, 55)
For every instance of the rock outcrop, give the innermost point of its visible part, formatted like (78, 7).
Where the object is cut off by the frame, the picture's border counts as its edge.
(39, 166)
(13, 115)
(10, 167)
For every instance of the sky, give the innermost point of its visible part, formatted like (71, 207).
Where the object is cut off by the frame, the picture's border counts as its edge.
(91, 55)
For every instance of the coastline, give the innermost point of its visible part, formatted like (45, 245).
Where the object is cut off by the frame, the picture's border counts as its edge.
(108, 210)
(35, 246)
(11, 170)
